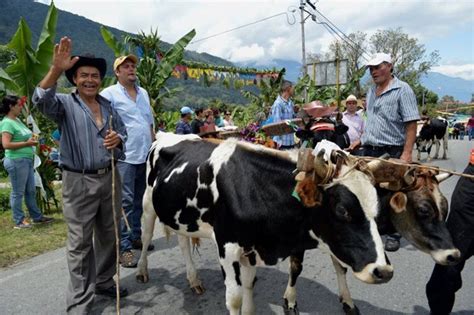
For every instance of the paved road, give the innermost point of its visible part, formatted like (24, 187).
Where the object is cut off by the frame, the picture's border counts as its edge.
(37, 286)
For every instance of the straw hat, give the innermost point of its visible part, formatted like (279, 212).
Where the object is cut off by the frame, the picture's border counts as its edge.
(352, 98)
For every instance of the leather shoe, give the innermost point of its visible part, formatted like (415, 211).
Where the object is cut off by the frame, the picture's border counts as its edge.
(137, 244)
(392, 245)
(112, 291)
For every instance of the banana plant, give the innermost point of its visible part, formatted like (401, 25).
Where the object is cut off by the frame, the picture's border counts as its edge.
(31, 65)
(151, 73)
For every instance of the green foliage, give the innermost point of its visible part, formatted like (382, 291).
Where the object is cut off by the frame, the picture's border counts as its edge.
(4, 200)
(268, 92)
(31, 65)
(170, 120)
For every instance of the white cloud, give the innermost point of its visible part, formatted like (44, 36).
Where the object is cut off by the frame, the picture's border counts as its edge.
(247, 53)
(426, 20)
(461, 71)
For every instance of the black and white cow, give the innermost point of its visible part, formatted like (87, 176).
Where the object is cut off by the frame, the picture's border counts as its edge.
(241, 196)
(414, 207)
(432, 132)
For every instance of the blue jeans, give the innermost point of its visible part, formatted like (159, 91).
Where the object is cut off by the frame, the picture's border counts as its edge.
(471, 133)
(133, 187)
(22, 178)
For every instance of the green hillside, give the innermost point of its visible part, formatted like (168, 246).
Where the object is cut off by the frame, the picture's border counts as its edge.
(87, 38)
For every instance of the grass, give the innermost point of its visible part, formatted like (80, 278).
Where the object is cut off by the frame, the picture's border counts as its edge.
(18, 245)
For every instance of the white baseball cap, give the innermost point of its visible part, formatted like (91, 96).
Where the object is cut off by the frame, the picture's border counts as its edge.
(379, 58)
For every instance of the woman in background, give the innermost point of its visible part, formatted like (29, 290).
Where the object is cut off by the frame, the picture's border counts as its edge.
(18, 142)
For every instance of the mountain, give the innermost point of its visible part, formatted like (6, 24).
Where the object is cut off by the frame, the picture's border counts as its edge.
(87, 38)
(292, 68)
(84, 32)
(441, 84)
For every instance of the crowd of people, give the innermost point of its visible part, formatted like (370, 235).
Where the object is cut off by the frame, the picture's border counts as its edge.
(117, 125)
(205, 122)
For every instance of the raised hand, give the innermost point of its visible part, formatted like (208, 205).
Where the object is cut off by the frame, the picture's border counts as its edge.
(62, 55)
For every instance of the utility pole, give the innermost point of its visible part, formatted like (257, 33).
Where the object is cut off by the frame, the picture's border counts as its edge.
(303, 49)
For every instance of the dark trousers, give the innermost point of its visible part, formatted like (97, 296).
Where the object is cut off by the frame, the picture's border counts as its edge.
(446, 280)
(394, 152)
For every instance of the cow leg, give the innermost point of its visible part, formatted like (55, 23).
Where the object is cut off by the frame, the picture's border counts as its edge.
(148, 225)
(344, 294)
(191, 273)
(445, 146)
(229, 259)
(248, 280)
(296, 266)
(437, 142)
(428, 150)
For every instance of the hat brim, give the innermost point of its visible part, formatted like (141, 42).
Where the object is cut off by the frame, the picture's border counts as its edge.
(98, 63)
(318, 111)
(359, 102)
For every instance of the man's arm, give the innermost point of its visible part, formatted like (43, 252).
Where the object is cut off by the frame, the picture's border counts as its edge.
(410, 137)
(61, 62)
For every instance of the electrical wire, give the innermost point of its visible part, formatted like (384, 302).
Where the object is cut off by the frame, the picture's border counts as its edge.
(289, 13)
(345, 38)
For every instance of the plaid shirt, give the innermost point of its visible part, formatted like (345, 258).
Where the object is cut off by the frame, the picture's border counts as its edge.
(282, 110)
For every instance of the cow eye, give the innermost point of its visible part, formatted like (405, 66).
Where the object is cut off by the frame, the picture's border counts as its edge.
(342, 213)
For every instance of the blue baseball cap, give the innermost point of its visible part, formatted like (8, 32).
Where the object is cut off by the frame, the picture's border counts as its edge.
(186, 110)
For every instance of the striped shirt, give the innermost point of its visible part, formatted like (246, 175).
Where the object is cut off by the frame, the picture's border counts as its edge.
(82, 141)
(282, 110)
(388, 113)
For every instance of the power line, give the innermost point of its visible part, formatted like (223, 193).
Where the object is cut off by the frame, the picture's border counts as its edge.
(252, 23)
(346, 38)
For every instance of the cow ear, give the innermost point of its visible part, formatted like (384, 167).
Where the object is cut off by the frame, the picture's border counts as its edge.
(308, 192)
(398, 202)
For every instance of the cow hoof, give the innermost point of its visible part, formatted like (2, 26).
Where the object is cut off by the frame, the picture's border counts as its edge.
(199, 289)
(350, 311)
(290, 311)
(142, 278)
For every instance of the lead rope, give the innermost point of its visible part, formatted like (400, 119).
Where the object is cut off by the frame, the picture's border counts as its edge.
(117, 239)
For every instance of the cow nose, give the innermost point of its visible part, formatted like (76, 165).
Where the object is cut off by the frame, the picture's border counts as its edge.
(454, 257)
(383, 274)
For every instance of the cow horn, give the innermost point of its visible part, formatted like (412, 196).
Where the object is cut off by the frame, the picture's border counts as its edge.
(374, 165)
(443, 176)
(409, 176)
(321, 167)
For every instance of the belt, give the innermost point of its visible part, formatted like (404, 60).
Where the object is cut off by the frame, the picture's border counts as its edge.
(382, 147)
(100, 171)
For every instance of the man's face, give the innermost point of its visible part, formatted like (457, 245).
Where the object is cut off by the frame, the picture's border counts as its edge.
(381, 73)
(87, 80)
(351, 106)
(126, 72)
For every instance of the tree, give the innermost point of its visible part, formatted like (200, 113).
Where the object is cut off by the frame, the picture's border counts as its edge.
(24, 71)
(447, 99)
(409, 57)
(353, 50)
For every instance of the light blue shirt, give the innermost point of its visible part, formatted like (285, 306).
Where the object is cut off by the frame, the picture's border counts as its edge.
(137, 117)
(282, 110)
(388, 113)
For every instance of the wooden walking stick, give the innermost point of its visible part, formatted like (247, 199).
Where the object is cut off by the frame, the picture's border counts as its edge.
(116, 227)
